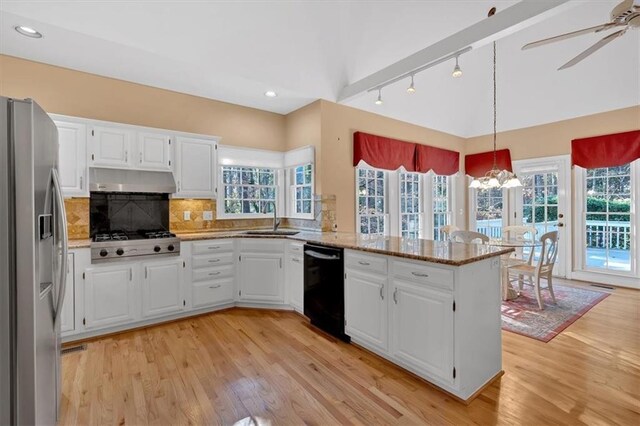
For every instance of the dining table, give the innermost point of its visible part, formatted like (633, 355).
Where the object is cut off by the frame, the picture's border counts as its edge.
(507, 260)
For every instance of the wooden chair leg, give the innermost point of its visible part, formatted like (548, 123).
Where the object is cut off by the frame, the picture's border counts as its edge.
(550, 286)
(537, 291)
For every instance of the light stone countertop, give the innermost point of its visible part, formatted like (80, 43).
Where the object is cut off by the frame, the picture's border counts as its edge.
(443, 252)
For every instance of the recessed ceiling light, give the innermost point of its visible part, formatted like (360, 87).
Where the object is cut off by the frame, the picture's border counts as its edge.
(28, 31)
(270, 94)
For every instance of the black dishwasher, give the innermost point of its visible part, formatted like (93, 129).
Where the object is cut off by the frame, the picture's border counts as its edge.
(324, 288)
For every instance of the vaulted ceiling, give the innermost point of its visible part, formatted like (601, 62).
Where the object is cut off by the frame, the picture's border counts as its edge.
(306, 50)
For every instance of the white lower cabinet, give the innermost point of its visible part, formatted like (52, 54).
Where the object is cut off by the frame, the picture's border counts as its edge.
(421, 329)
(162, 287)
(261, 277)
(67, 317)
(366, 308)
(294, 271)
(109, 295)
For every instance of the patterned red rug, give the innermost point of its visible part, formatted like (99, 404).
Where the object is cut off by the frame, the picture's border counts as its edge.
(522, 315)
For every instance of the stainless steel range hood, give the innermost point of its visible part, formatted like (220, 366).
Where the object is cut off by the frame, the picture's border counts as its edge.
(125, 180)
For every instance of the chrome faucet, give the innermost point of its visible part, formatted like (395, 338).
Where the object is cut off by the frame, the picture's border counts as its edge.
(276, 222)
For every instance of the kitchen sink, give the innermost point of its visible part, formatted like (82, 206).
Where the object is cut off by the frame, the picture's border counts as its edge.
(271, 232)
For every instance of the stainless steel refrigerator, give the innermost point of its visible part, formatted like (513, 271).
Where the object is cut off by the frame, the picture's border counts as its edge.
(33, 257)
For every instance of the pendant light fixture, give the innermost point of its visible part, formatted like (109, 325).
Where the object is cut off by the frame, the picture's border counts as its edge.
(457, 71)
(495, 178)
(379, 100)
(411, 88)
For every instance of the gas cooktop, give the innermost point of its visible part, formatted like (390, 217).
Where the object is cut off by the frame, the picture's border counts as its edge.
(138, 235)
(119, 245)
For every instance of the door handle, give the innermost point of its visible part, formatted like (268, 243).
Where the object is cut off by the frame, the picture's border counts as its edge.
(395, 296)
(62, 224)
(382, 292)
(323, 256)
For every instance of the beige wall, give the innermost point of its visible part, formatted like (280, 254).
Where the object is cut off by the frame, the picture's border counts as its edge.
(555, 138)
(68, 92)
(302, 128)
(339, 122)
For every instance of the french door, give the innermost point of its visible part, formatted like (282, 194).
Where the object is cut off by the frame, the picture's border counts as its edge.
(543, 202)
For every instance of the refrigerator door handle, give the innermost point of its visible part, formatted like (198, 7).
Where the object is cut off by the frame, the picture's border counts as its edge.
(62, 224)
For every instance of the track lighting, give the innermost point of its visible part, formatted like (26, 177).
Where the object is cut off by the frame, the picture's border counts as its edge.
(379, 100)
(457, 71)
(411, 88)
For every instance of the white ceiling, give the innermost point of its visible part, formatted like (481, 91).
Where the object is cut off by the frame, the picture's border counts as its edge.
(306, 50)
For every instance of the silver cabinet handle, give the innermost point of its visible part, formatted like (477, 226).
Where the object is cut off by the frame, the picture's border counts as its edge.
(420, 274)
(80, 182)
(140, 157)
(295, 259)
(280, 263)
(214, 260)
(364, 263)
(126, 156)
(213, 248)
(146, 271)
(214, 273)
(130, 274)
(178, 186)
(382, 292)
(215, 286)
(395, 296)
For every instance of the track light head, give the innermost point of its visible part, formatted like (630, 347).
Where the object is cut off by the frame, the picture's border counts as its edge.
(457, 71)
(379, 100)
(411, 88)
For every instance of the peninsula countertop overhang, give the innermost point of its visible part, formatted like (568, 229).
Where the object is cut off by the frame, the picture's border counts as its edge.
(443, 252)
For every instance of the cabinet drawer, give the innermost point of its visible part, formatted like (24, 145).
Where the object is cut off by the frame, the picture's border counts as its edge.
(208, 261)
(212, 292)
(296, 248)
(424, 274)
(261, 245)
(213, 246)
(366, 263)
(212, 273)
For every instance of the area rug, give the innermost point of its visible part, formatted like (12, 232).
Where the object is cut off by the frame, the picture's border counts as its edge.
(522, 315)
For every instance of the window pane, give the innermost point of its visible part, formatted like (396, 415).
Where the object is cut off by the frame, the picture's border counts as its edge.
(608, 226)
(370, 202)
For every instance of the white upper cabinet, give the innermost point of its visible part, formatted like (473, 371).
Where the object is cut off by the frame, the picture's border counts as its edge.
(196, 168)
(110, 146)
(72, 154)
(154, 151)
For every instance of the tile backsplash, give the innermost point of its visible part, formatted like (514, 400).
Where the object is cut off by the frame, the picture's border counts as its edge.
(324, 211)
(77, 210)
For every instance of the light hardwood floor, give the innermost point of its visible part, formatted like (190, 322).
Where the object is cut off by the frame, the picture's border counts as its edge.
(228, 366)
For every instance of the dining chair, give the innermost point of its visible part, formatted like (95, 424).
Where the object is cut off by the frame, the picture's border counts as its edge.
(468, 237)
(446, 231)
(519, 233)
(542, 270)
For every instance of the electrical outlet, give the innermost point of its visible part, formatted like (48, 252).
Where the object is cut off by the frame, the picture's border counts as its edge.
(207, 215)
(186, 215)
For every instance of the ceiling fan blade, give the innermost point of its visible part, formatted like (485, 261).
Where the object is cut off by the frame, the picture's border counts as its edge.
(570, 35)
(603, 42)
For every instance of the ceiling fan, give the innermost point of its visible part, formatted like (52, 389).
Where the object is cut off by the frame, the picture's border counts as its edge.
(625, 15)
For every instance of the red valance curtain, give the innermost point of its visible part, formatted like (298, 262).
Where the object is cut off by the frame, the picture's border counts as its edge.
(607, 150)
(441, 161)
(477, 165)
(383, 153)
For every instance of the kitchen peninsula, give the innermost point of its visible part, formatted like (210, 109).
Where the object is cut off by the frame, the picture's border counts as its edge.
(392, 285)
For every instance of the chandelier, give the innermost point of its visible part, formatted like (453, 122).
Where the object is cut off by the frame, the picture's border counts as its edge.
(495, 178)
